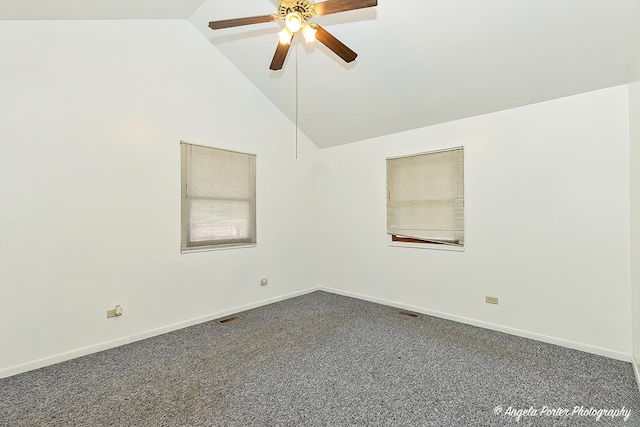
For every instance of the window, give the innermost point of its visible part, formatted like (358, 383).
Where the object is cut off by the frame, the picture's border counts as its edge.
(425, 198)
(218, 198)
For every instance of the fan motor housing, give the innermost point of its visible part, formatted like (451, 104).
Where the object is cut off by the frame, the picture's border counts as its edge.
(303, 7)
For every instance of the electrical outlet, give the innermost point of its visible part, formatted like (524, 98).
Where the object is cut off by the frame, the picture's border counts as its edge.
(115, 312)
(491, 300)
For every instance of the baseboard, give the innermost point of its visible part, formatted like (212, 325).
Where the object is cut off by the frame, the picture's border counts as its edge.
(636, 370)
(61, 357)
(618, 355)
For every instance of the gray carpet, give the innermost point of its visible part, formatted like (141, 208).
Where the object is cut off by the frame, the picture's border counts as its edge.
(326, 360)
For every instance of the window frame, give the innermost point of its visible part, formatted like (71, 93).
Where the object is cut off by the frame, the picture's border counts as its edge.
(398, 240)
(188, 245)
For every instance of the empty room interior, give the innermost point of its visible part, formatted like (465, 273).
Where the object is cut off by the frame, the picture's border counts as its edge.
(102, 103)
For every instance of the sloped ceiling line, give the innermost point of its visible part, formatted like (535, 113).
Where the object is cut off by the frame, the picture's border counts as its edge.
(420, 62)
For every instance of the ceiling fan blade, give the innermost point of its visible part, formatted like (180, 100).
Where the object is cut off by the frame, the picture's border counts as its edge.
(280, 55)
(335, 6)
(228, 23)
(339, 48)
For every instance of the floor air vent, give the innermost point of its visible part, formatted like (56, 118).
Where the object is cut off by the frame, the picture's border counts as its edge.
(406, 313)
(227, 319)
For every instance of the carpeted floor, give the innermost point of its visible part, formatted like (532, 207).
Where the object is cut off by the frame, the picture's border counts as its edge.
(327, 360)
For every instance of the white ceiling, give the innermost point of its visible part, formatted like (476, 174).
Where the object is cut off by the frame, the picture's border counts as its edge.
(98, 9)
(420, 62)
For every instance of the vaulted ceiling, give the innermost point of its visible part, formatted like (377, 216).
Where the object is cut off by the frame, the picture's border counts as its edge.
(421, 62)
(98, 9)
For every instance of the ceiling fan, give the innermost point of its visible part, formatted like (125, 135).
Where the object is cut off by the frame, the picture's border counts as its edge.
(296, 15)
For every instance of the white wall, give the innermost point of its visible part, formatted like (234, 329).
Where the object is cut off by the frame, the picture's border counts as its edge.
(547, 223)
(92, 116)
(634, 123)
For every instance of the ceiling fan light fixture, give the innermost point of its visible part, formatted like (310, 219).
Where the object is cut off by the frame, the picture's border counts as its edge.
(285, 36)
(296, 15)
(293, 21)
(309, 33)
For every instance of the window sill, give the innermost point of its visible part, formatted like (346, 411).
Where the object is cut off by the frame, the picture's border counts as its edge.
(431, 246)
(217, 248)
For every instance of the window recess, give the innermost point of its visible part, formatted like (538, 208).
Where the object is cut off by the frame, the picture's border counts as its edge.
(218, 198)
(425, 198)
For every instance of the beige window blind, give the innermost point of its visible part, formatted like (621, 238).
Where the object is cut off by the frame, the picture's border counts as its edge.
(218, 198)
(425, 197)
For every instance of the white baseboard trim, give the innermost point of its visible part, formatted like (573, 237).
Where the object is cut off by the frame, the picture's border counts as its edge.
(68, 355)
(618, 355)
(636, 370)
(61, 357)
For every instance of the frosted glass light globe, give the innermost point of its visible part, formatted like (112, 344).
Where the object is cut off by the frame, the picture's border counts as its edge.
(293, 21)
